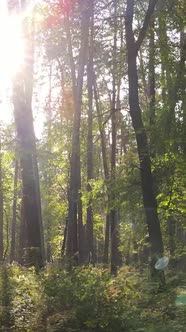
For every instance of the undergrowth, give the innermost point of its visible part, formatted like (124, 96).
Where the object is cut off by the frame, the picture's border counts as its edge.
(86, 300)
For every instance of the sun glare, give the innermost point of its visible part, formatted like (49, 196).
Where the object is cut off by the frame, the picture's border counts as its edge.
(12, 59)
(11, 43)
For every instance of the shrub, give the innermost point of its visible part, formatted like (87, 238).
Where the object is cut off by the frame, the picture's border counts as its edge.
(86, 300)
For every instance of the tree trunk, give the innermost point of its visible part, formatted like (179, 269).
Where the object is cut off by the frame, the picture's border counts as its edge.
(149, 201)
(183, 82)
(152, 88)
(90, 73)
(64, 238)
(113, 212)
(1, 206)
(22, 236)
(171, 223)
(47, 175)
(181, 239)
(169, 98)
(22, 99)
(106, 173)
(74, 213)
(14, 214)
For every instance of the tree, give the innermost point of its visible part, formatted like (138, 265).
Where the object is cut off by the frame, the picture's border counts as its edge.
(1, 206)
(22, 100)
(113, 213)
(149, 200)
(104, 162)
(75, 208)
(90, 82)
(14, 213)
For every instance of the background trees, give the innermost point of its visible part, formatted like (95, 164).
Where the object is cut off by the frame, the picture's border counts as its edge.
(92, 165)
(110, 90)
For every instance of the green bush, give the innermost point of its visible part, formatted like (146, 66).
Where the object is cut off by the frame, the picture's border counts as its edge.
(6, 289)
(23, 301)
(28, 303)
(86, 300)
(93, 300)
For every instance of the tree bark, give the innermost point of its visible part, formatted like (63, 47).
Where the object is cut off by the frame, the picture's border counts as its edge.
(149, 200)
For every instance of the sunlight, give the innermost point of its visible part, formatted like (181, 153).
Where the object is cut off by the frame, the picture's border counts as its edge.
(12, 47)
(12, 59)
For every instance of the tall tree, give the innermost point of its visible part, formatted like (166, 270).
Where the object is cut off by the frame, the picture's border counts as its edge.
(75, 213)
(22, 100)
(149, 200)
(106, 171)
(113, 213)
(90, 73)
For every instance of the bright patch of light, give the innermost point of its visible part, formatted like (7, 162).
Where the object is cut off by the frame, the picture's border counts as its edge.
(12, 46)
(12, 57)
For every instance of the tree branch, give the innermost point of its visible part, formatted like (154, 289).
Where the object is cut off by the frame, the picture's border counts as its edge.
(149, 13)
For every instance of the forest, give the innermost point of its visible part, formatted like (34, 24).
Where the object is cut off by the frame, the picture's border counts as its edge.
(93, 165)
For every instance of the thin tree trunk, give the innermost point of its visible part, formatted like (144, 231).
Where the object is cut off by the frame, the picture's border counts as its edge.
(64, 239)
(72, 64)
(113, 213)
(151, 79)
(181, 239)
(14, 214)
(48, 175)
(183, 82)
(48, 222)
(106, 173)
(90, 73)
(118, 103)
(102, 134)
(171, 223)
(1, 206)
(6, 249)
(22, 244)
(107, 238)
(170, 98)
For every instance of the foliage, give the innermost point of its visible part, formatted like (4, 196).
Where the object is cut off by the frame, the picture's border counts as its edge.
(22, 299)
(87, 299)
